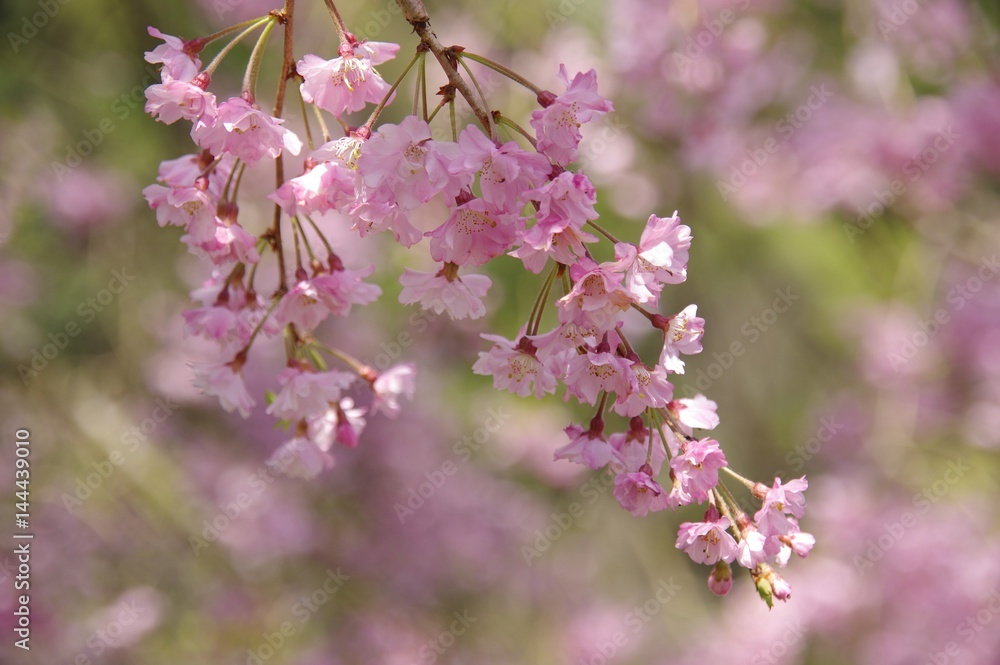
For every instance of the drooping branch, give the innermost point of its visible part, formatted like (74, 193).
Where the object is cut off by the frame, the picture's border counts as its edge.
(416, 15)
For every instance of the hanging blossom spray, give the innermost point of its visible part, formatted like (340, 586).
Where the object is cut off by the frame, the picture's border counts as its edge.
(521, 199)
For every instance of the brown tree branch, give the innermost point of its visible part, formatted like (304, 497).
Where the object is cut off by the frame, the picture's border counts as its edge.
(416, 15)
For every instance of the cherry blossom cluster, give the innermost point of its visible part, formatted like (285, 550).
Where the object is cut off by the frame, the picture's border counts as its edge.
(508, 191)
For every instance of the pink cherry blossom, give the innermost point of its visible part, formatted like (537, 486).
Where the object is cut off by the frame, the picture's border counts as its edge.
(707, 542)
(405, 166)
(662, 258)
(797, 542)
(371, 215)
(751, 548)
(346, 83)
(300, 457)
(639, 494)
(515, 367)
(188, 207)
(474, 233)
(720, 580)
(632, 447)
(226, 383)
(586, 446)
(696, 469)
(392, 384)
(597, 296)
(565, 201)
(588, 374)
(683, 336)
(461, 297)
(558, 124)
(544, 241)
(780, 501)
(506, 172)
(650, 389)
(228, 243)
(324, 186)
(304, 393)
(246, 132)
(177, 57)
(696, 412)
(220, 324)
(310, 301)
(341, 424)
(172, 100)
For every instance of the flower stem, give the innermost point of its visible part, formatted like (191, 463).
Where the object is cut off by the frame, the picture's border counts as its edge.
(253, 67)
(322, 123)
(600, 229)
(504, 120)
(208, 39)
(338, 22)
(509, 73)
(746, 481)
(416, 15)
(385, 100)
(305, 121)
(287, 67)
(535, 318)
(232, 44)
(492, 129)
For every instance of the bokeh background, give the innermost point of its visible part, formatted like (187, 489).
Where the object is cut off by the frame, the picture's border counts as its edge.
(844, 154)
